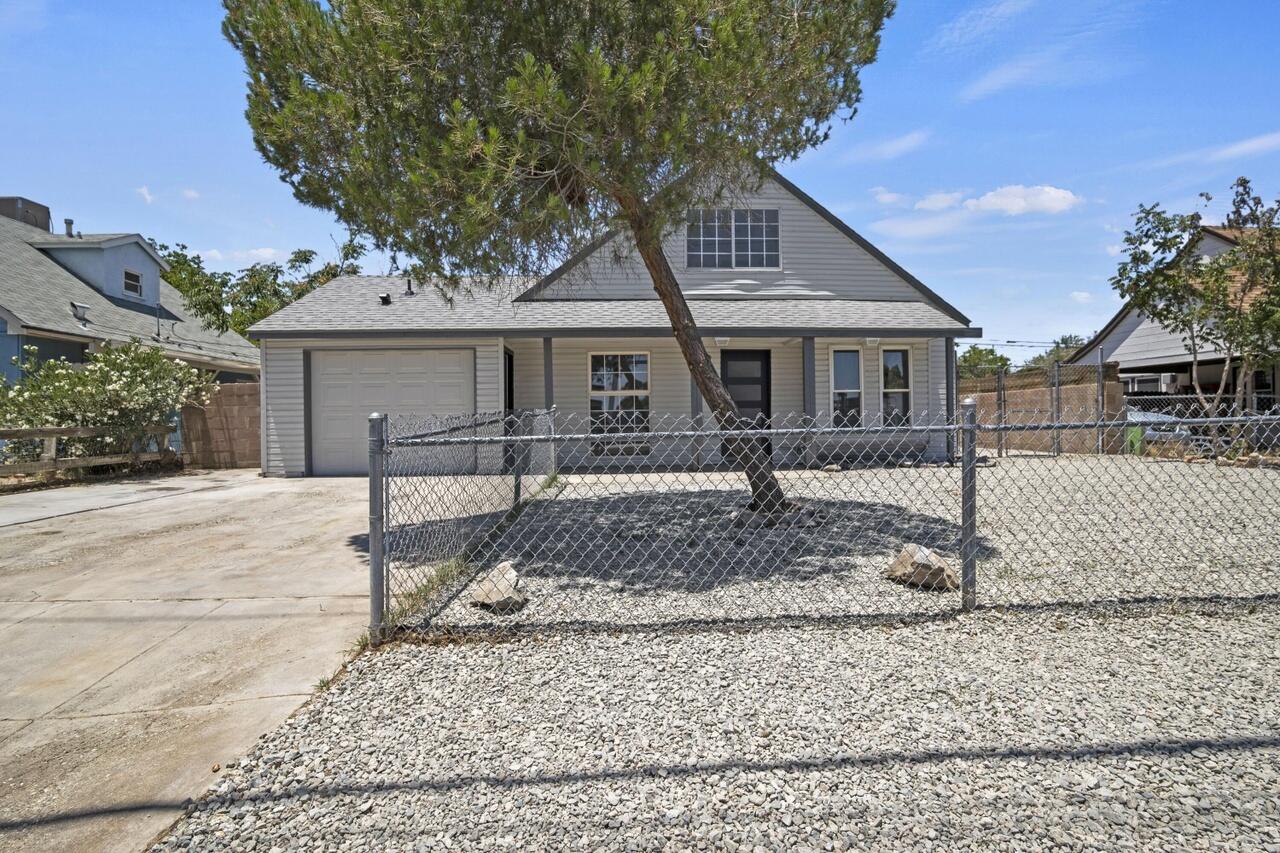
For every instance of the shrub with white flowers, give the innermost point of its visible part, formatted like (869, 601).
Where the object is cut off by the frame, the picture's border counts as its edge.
(127, 388)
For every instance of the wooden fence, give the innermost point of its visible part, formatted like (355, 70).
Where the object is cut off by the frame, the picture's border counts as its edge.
(49, 460)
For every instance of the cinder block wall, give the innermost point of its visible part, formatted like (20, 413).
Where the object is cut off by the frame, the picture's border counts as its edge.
(225, 433)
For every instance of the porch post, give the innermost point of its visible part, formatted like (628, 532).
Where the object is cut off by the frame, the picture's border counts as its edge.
(548, 376)
(810, 392)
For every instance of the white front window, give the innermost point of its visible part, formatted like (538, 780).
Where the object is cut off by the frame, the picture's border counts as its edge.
(721, 238)
(132, 283)
(846, 388)
(896, 370)
(618, 388)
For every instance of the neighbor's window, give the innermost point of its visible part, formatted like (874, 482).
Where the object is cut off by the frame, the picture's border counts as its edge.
(619, 394)
(133, 283)
(897, 387)
(732, 239)
(846, 388)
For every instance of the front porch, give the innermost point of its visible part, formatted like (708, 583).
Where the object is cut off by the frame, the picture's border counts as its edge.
(642, 384)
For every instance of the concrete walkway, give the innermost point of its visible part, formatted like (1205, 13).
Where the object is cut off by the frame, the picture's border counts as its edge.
(154, 628)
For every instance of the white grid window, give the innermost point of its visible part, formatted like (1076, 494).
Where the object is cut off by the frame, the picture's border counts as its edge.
(619, 397)
(732, 239)
(133, 283)
(846, 388)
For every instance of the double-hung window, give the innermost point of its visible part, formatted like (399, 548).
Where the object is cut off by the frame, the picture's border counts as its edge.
(619, 399)
(846, 388)
(132, 283)
(896, 364)
(721, 238)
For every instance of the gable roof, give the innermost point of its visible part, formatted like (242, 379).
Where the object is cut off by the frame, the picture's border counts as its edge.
(350, 306)
(1230, 235)
(586, 251)
(97, 241)
(37, 292)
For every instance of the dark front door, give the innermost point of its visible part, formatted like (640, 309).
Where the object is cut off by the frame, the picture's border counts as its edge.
(745, 373)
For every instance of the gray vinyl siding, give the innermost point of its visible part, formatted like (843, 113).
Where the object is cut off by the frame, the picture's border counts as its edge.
(817, 261)
(1138, 341)
(284, 390)
(670, 403)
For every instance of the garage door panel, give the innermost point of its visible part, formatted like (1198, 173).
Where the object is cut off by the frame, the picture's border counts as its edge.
(348, 385)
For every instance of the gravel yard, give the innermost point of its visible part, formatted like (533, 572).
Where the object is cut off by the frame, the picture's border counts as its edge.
(645, 550)
(1158, 730)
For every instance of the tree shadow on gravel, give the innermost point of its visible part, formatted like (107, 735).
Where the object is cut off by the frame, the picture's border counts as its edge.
(694, 541)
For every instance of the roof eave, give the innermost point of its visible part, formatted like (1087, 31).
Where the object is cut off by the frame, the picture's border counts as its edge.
(616, 331)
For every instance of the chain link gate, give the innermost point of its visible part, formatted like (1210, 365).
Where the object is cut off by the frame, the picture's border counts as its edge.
(542, 520)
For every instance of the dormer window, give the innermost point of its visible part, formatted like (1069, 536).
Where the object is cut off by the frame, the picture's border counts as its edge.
(133, 283)
(732, 239)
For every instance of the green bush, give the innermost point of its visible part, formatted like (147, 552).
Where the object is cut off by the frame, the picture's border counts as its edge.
(126, 388)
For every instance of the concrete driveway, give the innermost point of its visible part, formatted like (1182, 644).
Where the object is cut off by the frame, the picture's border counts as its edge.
(154, 628)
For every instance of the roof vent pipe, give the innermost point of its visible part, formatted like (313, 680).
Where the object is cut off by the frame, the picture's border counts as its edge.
(69, 223)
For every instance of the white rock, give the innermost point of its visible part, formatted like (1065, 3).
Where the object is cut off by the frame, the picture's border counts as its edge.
(499, 590)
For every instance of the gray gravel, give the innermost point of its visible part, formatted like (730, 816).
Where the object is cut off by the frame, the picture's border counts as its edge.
(1027, 731)
(652, 549)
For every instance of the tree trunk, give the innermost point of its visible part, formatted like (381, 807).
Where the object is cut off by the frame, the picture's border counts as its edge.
(751, 454)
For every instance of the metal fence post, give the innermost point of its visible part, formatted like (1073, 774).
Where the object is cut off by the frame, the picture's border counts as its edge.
(969, 506)
(1102, 399)
(1002, 410)
(1056, 402)
(377, 525)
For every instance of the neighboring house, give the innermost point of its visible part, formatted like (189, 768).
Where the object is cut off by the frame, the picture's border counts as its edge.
(802, 315)
(1153, 359)
(67, 294)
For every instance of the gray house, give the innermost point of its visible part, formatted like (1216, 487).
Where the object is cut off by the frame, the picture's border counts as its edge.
(1153, 359)
(802, 314)
(67, 294)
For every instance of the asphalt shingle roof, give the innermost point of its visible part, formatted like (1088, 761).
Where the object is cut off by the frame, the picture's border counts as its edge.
(39, 292)
(350, 305)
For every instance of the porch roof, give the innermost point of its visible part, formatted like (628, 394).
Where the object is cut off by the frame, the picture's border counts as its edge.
(350, 306)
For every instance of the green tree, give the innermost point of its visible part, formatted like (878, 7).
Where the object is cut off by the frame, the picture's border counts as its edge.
(235, 301)
(482, 138)
(1227, 304)
(977, 362)
(1061, 349)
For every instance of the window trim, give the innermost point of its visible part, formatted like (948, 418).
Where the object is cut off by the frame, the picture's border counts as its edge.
(604, 447)
(124, 279)
(733, 252)
(831, 382)
(909, 390)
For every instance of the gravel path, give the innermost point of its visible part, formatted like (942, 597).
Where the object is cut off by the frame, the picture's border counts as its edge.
(990, 731)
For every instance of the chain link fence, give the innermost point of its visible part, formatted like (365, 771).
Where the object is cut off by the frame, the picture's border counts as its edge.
(542, 520)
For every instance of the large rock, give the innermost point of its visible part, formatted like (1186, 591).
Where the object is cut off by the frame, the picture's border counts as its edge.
(918, 566)
(499, 590)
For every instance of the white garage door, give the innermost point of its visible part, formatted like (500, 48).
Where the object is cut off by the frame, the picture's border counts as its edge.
(347, 385)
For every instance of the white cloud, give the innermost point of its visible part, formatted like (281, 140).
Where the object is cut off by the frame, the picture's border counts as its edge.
(1083, 297)
(885, 196)
(978, 24)
(243, 256)
(145, 194)
(1245, 147)
(1114, 250)
(920, 227)
(939, 201)
(1029, 69)
(888, 149)
(1016, 199)
(190, 194)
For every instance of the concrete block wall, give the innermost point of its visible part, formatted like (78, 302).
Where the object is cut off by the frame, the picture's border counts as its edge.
(226, 432)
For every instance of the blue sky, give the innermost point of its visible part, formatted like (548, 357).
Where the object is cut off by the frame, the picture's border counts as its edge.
(999, 152)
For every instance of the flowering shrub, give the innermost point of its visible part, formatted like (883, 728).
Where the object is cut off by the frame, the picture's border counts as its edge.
(128, 388)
